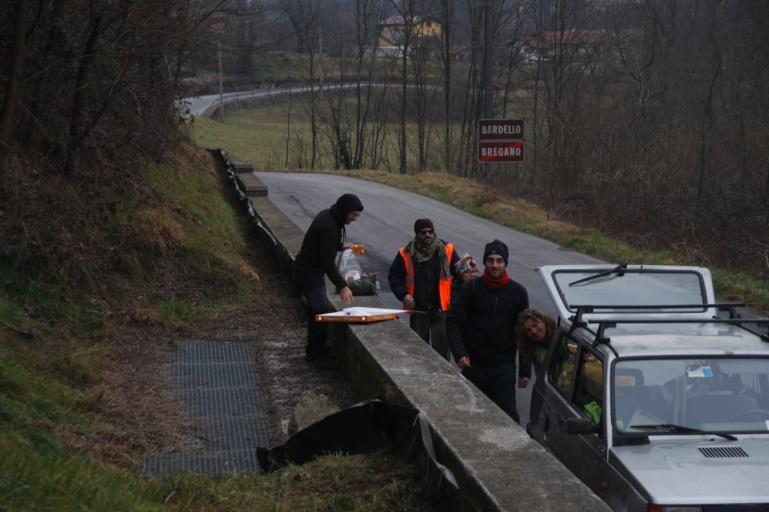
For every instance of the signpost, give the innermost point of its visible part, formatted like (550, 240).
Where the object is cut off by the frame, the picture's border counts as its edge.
(500, 129)
(501, 151)
(500, 140)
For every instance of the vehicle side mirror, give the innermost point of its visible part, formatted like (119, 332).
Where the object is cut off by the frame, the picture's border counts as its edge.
(581, 426)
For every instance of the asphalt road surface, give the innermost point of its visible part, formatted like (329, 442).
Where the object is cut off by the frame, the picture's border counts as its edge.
(197, 105)
(387, 224)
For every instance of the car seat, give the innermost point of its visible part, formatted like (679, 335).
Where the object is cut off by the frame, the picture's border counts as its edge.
(629, 396)
(717, 407)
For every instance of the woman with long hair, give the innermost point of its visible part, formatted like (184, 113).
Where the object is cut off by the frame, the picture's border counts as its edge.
(534, 331)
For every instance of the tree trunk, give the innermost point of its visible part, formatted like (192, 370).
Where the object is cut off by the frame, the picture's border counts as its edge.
(12, 87)
(78, 99)
(402, 126)
(447, 13)
(313, 99)
(407, 13)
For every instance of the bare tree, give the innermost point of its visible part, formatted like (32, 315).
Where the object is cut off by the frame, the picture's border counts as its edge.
(509, 27)
(366, 16)
(10, 100)
(423, 48)
(305, 16)
(406, 10)
(447, 59)
(473, 99)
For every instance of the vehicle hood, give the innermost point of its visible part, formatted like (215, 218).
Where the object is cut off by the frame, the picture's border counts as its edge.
(672, 470)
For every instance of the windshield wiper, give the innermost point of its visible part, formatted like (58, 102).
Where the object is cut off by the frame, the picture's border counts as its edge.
(680, 428)
(616, 270)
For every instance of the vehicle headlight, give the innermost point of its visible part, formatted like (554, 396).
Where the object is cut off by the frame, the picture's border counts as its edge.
(674, 508)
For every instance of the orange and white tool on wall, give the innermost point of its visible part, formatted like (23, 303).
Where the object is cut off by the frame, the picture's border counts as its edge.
(360, 315)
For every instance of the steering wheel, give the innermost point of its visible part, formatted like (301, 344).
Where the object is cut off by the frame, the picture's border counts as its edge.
(750, 412)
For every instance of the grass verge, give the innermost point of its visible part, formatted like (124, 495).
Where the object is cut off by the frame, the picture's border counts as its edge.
(362, 483)
(262, 136)
(55, 481)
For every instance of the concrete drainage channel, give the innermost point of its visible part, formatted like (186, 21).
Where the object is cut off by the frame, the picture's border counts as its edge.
(495, 464)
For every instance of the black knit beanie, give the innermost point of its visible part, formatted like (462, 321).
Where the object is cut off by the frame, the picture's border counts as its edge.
(495, 247)
(421, 224)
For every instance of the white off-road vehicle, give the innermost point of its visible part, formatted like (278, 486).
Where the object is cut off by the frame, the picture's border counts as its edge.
(652, 394)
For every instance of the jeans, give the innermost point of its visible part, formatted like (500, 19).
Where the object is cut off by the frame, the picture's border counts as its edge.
(497, 381)
(431, 327)
(317, 303)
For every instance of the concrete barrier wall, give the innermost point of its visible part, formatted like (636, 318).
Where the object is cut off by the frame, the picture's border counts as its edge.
(497, 466)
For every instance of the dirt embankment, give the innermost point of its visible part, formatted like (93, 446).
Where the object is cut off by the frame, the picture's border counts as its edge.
(162, 257)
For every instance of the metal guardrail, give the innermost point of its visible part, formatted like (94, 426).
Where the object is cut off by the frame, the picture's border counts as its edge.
(285, 255)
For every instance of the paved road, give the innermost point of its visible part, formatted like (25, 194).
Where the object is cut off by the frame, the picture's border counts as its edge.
(198, 104)
(388, 219)
(387, 224)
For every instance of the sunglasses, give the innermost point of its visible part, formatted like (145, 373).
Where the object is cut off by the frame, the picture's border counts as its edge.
(426, 232)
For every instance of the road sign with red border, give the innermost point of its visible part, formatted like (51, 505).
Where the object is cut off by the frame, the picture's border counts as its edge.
(501, 151)
(500, 141)
(500, 129)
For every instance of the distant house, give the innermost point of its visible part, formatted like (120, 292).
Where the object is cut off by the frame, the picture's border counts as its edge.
(394, 29)
(542, 47)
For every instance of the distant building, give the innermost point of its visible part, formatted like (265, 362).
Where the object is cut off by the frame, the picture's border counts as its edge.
(392, 36)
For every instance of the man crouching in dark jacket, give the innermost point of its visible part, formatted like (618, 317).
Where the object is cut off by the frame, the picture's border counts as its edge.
(324, 238)
(481, 329)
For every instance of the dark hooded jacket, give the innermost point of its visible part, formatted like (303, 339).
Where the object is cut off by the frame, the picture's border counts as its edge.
(324, 238)
(481, 323)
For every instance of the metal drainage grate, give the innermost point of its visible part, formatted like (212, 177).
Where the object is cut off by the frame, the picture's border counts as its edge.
(723, 452)
(220, 388)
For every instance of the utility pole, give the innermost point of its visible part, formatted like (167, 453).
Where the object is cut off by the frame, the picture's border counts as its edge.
(221, 90)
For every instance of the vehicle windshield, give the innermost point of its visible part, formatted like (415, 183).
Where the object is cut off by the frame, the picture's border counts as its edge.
(710, 394)
(631, 288)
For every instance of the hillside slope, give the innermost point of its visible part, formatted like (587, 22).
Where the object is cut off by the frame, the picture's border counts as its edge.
(88, 321)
